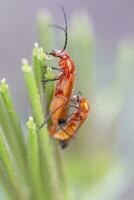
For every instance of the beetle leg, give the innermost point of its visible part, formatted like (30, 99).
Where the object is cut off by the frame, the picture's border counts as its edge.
(48, 117)
(56, 68)
(49, 80)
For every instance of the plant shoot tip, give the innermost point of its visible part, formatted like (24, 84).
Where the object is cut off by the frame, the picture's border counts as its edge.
(3, 80)
(36, 45)
(24, 61)
(30, 118)
(4, 85)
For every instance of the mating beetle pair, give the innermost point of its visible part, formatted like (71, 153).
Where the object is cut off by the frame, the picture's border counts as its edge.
(65, 126)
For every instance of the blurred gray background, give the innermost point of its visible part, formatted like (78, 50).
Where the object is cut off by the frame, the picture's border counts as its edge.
(113, 20)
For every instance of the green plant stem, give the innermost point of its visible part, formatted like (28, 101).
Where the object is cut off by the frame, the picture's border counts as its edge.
(61, 170)
(7, 188)
(4, 122)
(6, 96)
(10, 127)
(38, 64)
(43, 72)
(34, 161)
(48, 88)
(13, 175)
(45, 145)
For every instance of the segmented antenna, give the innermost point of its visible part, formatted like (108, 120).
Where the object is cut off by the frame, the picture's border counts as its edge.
(66, 34)
(65, 29)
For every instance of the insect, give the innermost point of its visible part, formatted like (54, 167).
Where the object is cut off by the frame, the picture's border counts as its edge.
(66, 131)
(63, 126)
(59, 107)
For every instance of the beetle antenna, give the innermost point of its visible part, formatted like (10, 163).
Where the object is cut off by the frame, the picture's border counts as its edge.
(66, 29)
(63, 29)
